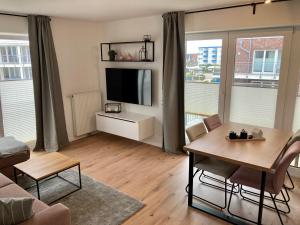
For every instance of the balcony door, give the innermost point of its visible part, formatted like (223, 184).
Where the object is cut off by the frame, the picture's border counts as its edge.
(257, 71)
(205, 76)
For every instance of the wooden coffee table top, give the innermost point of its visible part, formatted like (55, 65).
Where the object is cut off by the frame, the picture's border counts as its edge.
(46, 165)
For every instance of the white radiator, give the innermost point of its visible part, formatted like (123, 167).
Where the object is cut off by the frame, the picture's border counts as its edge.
(84, 107)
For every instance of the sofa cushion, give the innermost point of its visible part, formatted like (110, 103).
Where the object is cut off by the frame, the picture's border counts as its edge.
(14, 159)
(10, 146)
(15, 210)
(13, 190)
(4, 181)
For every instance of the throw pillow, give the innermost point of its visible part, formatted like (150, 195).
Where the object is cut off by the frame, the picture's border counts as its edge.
(15, 210)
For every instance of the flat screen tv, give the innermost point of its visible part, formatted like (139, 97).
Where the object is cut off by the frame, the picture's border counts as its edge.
(129, 85)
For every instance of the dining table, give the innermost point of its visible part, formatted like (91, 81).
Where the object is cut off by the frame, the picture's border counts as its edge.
(260, 155)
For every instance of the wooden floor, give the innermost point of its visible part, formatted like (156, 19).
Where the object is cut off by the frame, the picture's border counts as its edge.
(156, 178)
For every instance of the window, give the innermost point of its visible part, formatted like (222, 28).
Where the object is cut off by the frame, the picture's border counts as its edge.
(25, 54)
(27, 73)
(11, 73)
(16, 90)
(15, 61)
(202, 79)
(264, 61)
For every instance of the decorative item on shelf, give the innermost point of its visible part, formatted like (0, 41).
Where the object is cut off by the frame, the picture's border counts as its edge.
(120, 57)
(147, 37)
(143, 54)
(257, 133)
(112, 107)
(112, 55)
(232, 135)
(243, 134)
(130, 57)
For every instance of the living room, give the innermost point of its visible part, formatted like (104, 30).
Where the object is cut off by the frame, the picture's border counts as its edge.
(109, 171)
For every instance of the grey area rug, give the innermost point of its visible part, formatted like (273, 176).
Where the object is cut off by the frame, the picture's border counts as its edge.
(94, 204)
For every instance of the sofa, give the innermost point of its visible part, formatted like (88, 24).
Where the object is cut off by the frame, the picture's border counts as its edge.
(57, 214)
(12, 152)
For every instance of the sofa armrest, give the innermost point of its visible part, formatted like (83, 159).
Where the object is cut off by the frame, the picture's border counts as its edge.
(57, 214)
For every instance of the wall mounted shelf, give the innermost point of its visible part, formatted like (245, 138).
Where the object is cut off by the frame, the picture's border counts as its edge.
(132, 47)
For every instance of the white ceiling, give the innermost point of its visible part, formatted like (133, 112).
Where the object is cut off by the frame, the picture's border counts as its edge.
(101, 10)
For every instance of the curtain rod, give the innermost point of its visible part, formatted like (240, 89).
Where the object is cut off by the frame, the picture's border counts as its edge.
(253, 5)
(12, 14)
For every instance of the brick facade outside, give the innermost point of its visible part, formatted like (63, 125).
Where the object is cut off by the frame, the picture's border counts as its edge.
(245, 48)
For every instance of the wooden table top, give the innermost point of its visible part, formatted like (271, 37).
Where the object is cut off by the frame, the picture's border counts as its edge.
(46, 165)
(260, 155)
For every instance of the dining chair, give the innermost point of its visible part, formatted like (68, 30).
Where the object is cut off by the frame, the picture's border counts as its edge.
(203, 163)
(212, 122)
(293, 139)
(274, 181)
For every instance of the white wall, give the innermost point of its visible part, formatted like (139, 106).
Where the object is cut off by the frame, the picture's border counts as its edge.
(13, 25)
(270, 15)
(132, 30)
(77, 48)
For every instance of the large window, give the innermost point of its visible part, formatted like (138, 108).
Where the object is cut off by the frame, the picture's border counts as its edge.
(254, 91)
(17, 116)
(202, 78)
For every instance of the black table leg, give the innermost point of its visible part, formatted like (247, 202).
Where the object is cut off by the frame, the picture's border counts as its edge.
(191, 178)
(261, 197)
(38, 189)
(79, 173)
(15, 175)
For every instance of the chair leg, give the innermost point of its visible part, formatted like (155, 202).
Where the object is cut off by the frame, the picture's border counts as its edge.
(284, 201)
(187, 186)
(291, 181)
(278, 213)
(287, 193)
(212, 203)
(213, 185)
(266, 197)
(226, 193)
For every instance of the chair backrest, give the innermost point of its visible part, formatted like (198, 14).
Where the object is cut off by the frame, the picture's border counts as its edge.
(194, 132)
(212, 122)
(294, 138)
(283, 165)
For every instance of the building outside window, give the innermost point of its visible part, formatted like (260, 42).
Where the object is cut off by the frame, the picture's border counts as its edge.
(15, 60)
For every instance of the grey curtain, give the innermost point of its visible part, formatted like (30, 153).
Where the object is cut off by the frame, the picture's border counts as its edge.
(50, 117)
(173, 82)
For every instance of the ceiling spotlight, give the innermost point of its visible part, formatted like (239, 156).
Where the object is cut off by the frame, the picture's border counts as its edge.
(268, 1)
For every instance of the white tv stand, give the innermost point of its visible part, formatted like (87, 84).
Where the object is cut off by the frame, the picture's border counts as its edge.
(126, 124)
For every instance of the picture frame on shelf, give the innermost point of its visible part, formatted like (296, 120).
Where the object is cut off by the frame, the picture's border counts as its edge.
(112, 108)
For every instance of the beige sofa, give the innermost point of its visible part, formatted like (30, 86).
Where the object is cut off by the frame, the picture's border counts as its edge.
(57, 214)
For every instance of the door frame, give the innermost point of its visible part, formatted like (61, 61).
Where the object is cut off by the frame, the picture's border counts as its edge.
(284, 69)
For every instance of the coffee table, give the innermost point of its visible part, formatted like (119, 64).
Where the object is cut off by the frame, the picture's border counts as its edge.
(48, 166)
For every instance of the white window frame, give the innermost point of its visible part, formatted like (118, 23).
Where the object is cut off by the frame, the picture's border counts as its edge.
(264, 60)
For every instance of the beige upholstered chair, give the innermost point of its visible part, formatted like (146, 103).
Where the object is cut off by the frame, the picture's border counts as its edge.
(203, 163)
